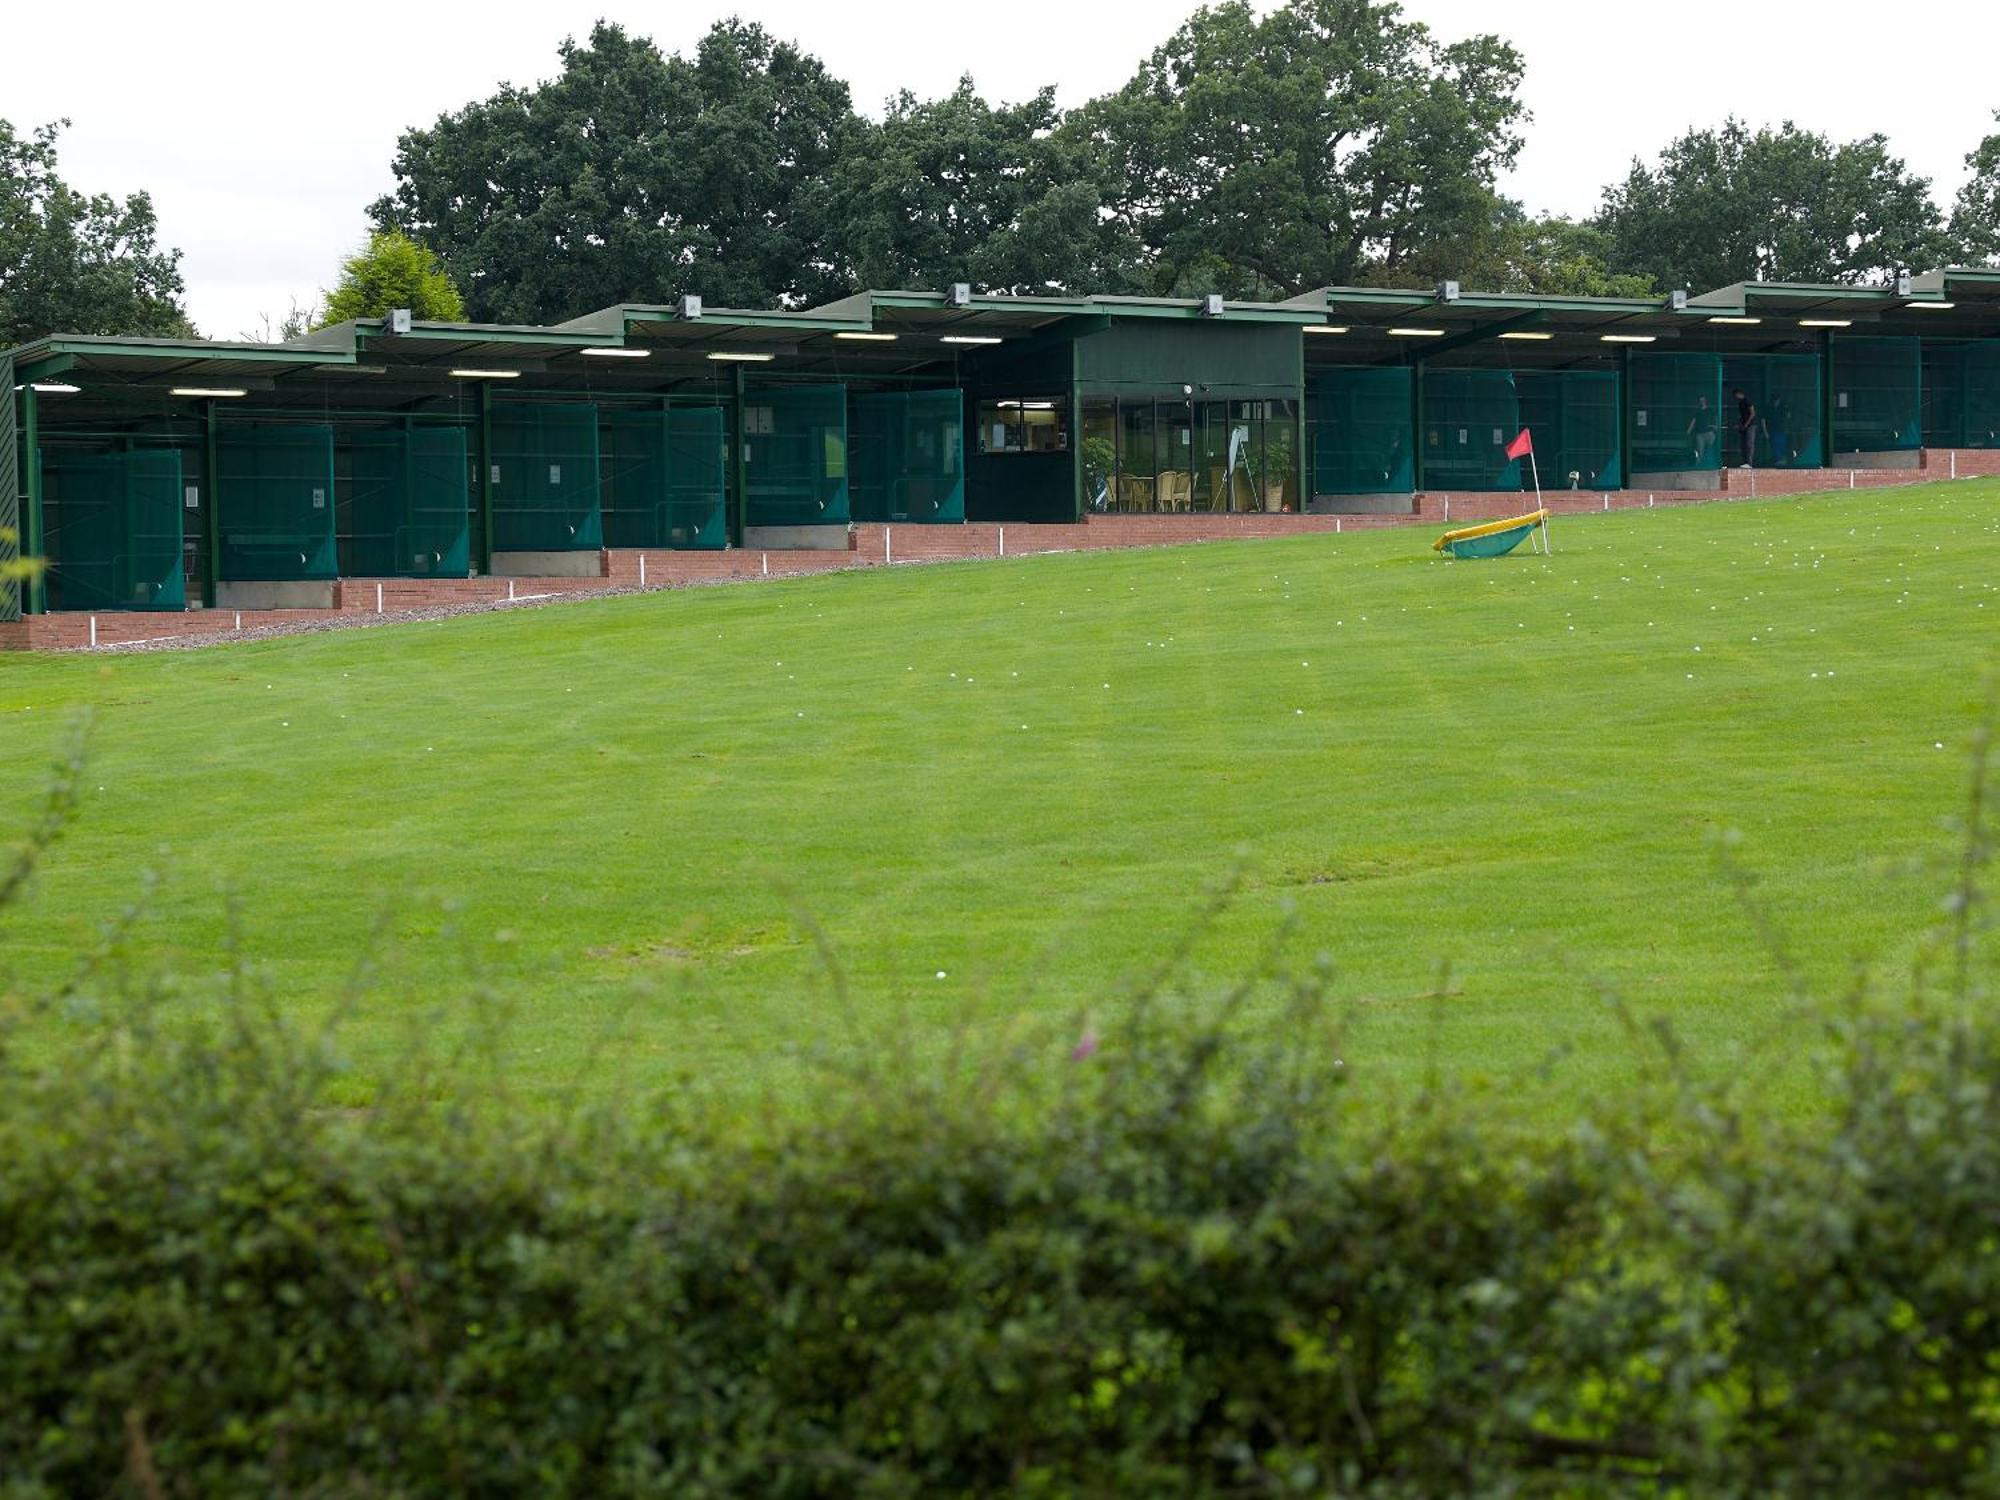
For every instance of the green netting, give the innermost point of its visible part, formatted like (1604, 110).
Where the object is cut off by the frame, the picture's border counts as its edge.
(409, 504)
(1573, 417)
(1469, 418)
(663, 477)
(1962, 395)
(112, 529)
(1493, 544)
(1677, 416)
(1358, 431)
(909, 456)
(274, 511)
(795, 456)
(546, 495)
(1783, 393)
(1878, 398)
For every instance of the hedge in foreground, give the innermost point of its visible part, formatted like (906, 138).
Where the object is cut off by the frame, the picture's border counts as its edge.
(1183, 1261)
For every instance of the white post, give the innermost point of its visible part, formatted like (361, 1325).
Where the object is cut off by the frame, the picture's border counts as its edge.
(767, 564)
(239, 619)
(93, 632)
(1336, 525)
(510, 591)
(888, 551)
(378, 598)
(642, 570)
(1003, 541)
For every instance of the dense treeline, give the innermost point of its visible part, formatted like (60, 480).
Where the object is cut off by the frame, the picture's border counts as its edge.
(1190, 1256)
(1327, 141)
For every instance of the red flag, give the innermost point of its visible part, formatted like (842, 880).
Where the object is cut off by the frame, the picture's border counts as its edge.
(1522, 444)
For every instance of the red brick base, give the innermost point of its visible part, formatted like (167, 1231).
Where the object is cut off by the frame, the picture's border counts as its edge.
(878, 545)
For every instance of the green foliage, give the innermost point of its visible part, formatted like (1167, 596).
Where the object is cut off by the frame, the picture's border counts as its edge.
(1727, 205)
(392, 271)
(1187, 1255)
(76, 264)
(634, 177)
(1975, 213)
(956, 189)
(1326, 141)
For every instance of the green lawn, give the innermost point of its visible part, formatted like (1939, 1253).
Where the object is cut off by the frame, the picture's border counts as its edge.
(1002, 789)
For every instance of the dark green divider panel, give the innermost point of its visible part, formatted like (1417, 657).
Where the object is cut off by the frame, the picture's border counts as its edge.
(1784, 389)
(1358, 431)
(909, 456)
(275, 510)
(1878, 398)
(10, 495)
(1677, 416)
(1573, 417)
(1469, 418)
(795, 455)
(663, 477)
(546, 492)
(112, 527)
(1962, 394)
(409, 509)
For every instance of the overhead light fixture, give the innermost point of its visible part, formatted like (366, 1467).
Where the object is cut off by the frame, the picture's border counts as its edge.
(1326, 328)
(217, 391)
(1416, 333)
(1932, 306)
(1525, 336)
(970, 338)
(1626, 338)
(1741, 322)
(1826, 322)
(738, 357)
(485, 374)
(50, 388)
(868, 338)
(618, 353)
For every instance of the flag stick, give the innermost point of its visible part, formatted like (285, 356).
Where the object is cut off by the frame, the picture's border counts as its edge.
(1536, 470)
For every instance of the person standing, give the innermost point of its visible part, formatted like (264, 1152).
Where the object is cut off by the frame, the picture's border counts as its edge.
(1746, 425)
(1701, 427)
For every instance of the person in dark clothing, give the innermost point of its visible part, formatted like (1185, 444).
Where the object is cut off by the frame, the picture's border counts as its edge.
(1701, 427)
(1746, 425)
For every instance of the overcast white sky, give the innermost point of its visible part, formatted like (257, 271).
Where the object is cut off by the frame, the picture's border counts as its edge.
(263, 130)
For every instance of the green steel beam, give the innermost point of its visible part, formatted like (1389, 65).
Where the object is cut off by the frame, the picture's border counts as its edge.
(1299, 428)
(211, 505)
(485, 533)
(36, 599)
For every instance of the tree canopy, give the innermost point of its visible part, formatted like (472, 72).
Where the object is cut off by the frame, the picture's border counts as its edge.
(634, 177)
(393, 271)
(1732, 204)
(76, 264)
(1328, 141)
(1975, 213)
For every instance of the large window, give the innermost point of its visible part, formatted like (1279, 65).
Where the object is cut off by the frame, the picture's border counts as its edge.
(1213, 456)
(1024, 424)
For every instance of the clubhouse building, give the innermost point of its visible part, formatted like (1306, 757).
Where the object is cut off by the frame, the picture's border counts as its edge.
(386, 463)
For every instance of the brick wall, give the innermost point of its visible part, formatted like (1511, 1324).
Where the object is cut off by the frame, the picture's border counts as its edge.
(877, 545)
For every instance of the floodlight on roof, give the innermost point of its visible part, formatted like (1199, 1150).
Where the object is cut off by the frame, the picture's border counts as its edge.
(1826, 322)
(1211, 305)
(477, 374)
(619, 353)
(1447, 291)
(970, 338)
(219, 392)
(1626, 338)
(740, 357)
(689, 308)
(960, 294)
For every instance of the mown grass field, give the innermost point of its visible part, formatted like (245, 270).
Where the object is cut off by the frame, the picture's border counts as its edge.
(1003, 790)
